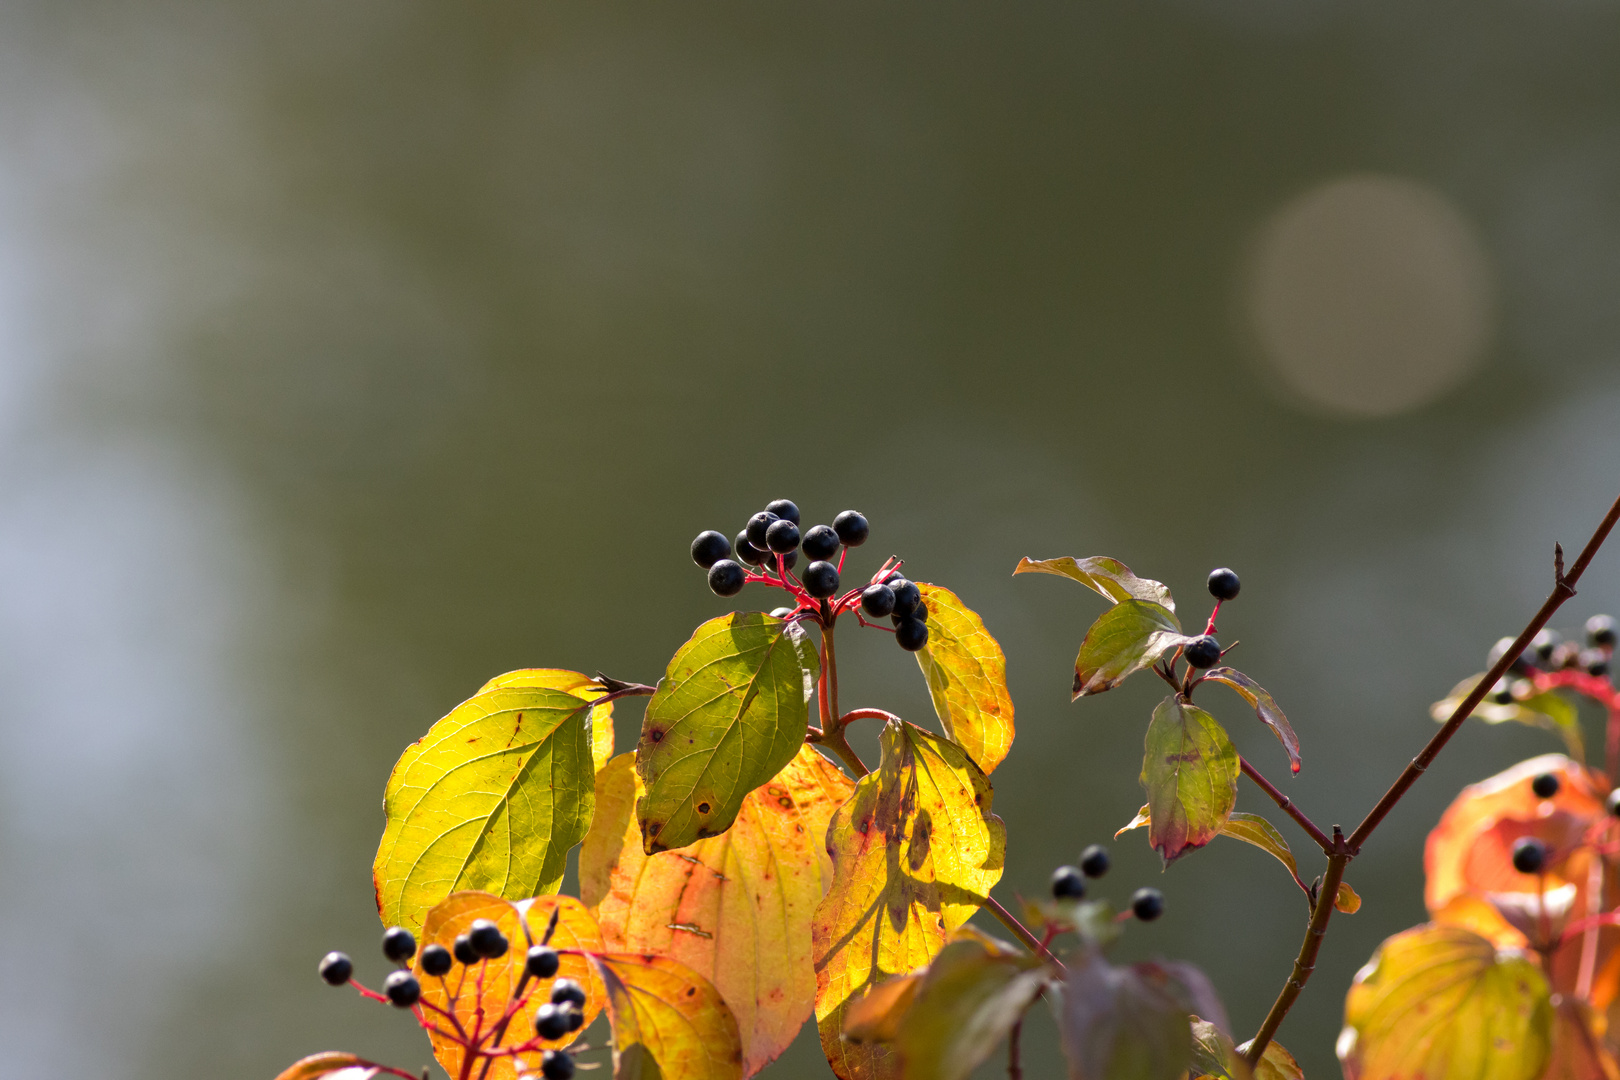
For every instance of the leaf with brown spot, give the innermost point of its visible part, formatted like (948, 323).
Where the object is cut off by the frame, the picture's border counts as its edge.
(734, 908)
(669, 1023)
(967, 678)
(915, 851)
(583, 687)
(1189, 771)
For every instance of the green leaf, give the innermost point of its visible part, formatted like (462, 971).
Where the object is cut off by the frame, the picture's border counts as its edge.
(1127, 638)
(1442, 1003)
(1190, 772)
(967, 678)
(1108, 577)
(1132, 1023)
(491, 798)
(1265, 707)
(1548, 710)
(1213, 1054)
(730, 712)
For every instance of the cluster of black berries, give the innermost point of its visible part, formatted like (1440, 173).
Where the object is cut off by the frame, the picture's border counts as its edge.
(1549, 651)
(1204, 651)
(401, 987)
(772, 539)
(902, 602)
(1069, 883)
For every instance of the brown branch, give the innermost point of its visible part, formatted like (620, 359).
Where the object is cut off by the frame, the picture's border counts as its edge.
(1305, 963)
(1287, 805)
(1021, 932)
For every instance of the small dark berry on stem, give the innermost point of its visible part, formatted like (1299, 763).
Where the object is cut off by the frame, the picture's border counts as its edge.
(1068, 883)
(1600, 631)
(402, 989)
(906, 596)
(1543, 644)
(820, 542)
(1521, 666)
(1203, 651)
(727, 578)
(551, 1021)
(877, 600)
(567, 990)
(1224, 584)
(1595, 661)
(486, 939)
(463, 951)
(1147, 904)
(556, 1065)
(399, 945)
(1094, 861)
(1545, 786)
(789, 561)
(1613, 802)
(852, 528)
(1529, 855)
(782, 537)
(912, 634)
(576, 1019)
(785, 509)
(1501, 693)
(747, 552)
(757, 527)
(436, 960)
(542, 962)
(821, 579)
(709, 548)
(336, 968)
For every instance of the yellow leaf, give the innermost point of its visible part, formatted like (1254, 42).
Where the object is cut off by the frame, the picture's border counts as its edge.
(491, 799)
(967, 678)
(571, 682)
(328, 1066)
(915, 852)
(669, 1022)
(1442, 1003)
(735, 908)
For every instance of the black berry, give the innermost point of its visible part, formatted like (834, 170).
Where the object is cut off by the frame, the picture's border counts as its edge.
(877, 600)
(1224, 584)
(821, 579)
(757, 527)
(726, 578)
(463, 950)
(402, 989)
(1529, 855)
(564, 990)
(486, 939)
(820, 542)
(1501, 693)
(436, 960)
(576, 1019)
(709, 548)
(398, 944)
(1068, 883)
(1147, 904)
(784, 509)
(851, 528)
(1203, 652)
(1545, 786)
(1543, 644)
(336, 968)
(788, 561)
(906, 596)
(556, 1065)
(551, 1021)
(1520, 666)
(1595, 661)
(542, 962)
(912, 634)
(782, 537)
(1094, 861)
(747, 552)
(1613, 802)
(1600, 631)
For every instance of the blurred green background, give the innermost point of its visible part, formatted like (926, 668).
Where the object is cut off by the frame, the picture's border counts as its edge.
(353, 353)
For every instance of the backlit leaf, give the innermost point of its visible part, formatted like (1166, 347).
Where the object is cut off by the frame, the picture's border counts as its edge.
(583, 687)
(1275, 1063)
(1213, 1054)
(332, 1065)
(491, 798)
(1442, 1003)
(1127, 638)
(1129, 1023)
(1189, 771)
(1346, 899)
(735, 908)
(915, 851)
(1549, 710)
(1265, 707)
(967, 678)
(1577, 1051)
(966, 1004)
(730, 712)
(1108, 577)
(669, 1022)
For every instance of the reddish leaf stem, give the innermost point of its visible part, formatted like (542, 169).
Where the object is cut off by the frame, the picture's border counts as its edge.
(1021, 932)
(866, 714)
(832, 734)
(1015, 1070)
(1287, 805)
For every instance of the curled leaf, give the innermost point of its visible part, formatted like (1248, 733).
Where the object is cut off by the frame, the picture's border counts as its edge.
(1189, 771)
(1548, 710)
(600, 721)
(1109, 578)
(730, 712)
(1127, 638)
(669, 1022)
(1346, 899)
(967, 678)
(1265, 707)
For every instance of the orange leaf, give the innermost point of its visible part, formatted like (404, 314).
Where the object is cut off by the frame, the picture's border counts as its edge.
(327, 1066)
(1577, 1051)
(669, 1022)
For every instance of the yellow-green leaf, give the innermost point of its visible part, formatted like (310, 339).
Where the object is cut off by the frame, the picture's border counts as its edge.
(1265, 707)
(583, 687)
(328, 1066)
(735, 908)
(730, 712)
(1442, 1003)
(967, 678)
(1548, 710)
(491, 798)
(1190, 772)
(966, 1004)
(1275, 1063)
(1213, 1055)
(1110, 578)
(669, 1022)
(915, 852)
(1127, 638)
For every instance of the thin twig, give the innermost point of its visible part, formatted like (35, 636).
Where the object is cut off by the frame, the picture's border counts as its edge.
(1021, 932)
(1287, 805)
(1015, 1070)
(1305, 963)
